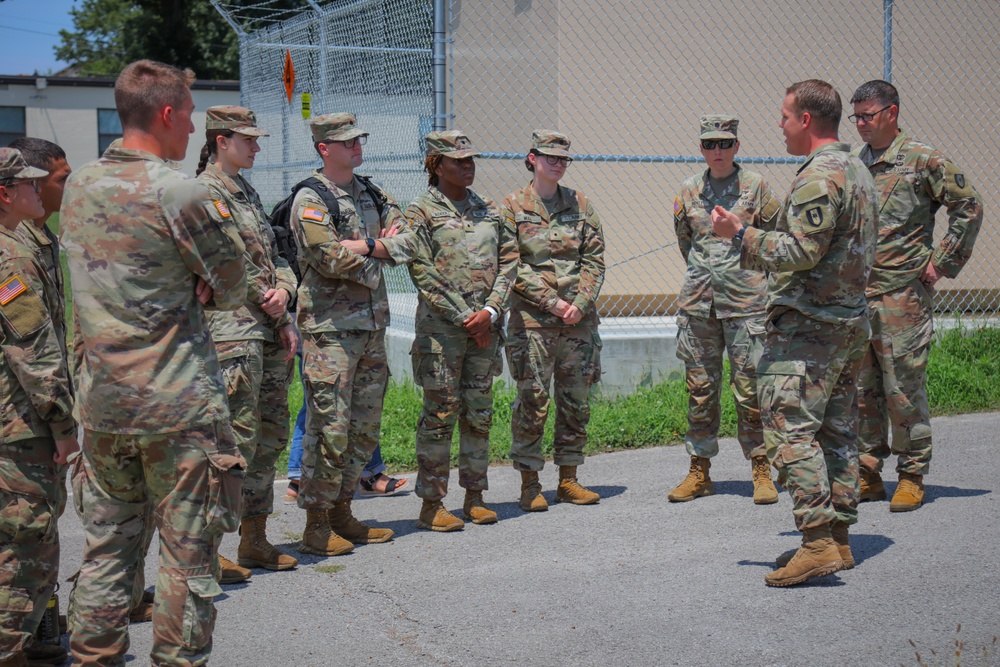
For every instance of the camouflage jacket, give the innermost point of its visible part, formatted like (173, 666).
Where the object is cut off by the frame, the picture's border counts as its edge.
(561, 257)
(340, 290)
(137, 235)
(822, 250)
(463, 262)
(714, 277)
(265, 268)
(37, 397)
(913, 182)
(45, 244)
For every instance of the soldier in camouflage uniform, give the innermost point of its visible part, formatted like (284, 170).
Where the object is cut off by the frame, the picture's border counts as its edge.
(464, 268)
(147, 250)
(722, 308)
(38, 431)
(552, 331)
(914, 181)
(343, 310)
(819, 258)
(256, 344)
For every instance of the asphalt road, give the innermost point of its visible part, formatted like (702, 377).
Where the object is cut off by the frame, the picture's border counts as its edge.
(634, 580)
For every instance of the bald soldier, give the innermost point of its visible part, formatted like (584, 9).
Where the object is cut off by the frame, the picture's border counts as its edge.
(819, 258)
(914, 181)
(346, 228)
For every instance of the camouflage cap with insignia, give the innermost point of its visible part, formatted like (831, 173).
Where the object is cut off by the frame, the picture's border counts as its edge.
(13, 168)
(335, 127)
(237, 119)
(717, 126)
(453, 144)
(548, 142)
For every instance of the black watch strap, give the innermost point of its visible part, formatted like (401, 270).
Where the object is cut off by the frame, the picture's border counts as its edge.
(371, 246)
(737, 240)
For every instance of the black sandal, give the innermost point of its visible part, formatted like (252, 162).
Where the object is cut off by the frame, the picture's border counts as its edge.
(391, 488)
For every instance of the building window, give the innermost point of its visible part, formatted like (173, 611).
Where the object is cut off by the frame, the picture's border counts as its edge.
(11, 124)
(109, 128)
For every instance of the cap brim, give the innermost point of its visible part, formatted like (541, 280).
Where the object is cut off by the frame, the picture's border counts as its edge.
(347, 135)
(558, 152)
(251, 131)
(459, 154)
(718, 135)
(30, 174)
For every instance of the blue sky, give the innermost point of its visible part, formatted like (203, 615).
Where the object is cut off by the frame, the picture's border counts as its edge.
(29, 29)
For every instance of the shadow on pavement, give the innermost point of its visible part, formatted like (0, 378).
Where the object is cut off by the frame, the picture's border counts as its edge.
(932, 492)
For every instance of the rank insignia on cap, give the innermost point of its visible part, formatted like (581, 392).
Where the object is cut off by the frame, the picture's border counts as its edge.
(222, 209)
(313, 214)
(10, 289)
(677, 205)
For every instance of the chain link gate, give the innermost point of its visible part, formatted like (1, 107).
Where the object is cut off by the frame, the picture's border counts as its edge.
(627, 81)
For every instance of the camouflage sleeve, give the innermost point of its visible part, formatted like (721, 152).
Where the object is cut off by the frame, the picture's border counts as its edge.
(256, 277)
(207, 241)
(811, 220)
(529, 284)
(681, 227)
(285, 275)
(439, 293)
(31, 348)
(769, 211)
(319, 244)
(402, 246)
(591, 261)
(948, 186)
(499, 298)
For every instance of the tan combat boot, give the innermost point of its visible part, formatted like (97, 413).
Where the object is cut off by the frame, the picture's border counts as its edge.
(909, 493)
(475, 510)
(142, 612)
(571, 491)
(838, 530)
(532, 499)
(345, 524)
(871, 486)
(764, 492)
(14, 660)
(817, 557)
(256, 551)
(696, 484)
(433, 516)
(318, 538)
(231, 573)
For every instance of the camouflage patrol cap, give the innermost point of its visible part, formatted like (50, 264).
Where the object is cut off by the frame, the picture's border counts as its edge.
(237, 119)
(718, 126)
(335, 127)
(13, 168)
(453, 144)
(548, 142)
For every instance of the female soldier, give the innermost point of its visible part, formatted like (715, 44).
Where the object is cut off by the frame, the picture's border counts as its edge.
(722, 308)
(464, 269)
(553, 320)
(249, 341)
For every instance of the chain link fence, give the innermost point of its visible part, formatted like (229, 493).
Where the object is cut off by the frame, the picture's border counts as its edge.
(627, 81)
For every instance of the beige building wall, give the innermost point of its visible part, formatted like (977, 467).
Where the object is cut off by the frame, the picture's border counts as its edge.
(631, 78)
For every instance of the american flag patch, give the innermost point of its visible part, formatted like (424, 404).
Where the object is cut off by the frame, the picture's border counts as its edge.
(222, 209)
(313, 214)
(10, 289)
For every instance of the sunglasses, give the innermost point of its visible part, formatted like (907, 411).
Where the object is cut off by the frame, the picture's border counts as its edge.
(711, 144)
(351, 143)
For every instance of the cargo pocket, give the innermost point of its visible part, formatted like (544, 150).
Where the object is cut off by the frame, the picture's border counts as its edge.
(788, 455)
(26, 519)
(779, 391)
(595, 358)
(518, 355)
(497, 370)
(912, 340)
(756, 331)
(199, 611)
(225, 489)
(426, 357)
(685, 348)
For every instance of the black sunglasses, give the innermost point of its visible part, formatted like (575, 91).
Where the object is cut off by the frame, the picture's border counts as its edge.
(724, 144)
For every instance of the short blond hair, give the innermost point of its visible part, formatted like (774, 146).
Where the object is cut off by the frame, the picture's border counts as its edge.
(145, 87)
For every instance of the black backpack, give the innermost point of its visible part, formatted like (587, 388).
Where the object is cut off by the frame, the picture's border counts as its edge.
(280, 218)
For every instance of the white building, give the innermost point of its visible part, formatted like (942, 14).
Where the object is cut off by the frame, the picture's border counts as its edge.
(79, 113)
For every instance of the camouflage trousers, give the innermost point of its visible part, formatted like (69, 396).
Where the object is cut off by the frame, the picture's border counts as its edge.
(701, 342)
(892, 387)
(257, 380)
(345, 375)
(191, 481)
(807, 384)
(457, 378)
(32, 498)
(572, 358)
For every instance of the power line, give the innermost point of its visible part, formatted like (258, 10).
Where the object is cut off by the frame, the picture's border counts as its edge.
(33, 32)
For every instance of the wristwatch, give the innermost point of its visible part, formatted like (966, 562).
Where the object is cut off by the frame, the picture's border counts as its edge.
(371, 247)
(737, 240)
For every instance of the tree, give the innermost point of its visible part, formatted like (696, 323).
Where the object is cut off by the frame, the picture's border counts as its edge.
(109, 34)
